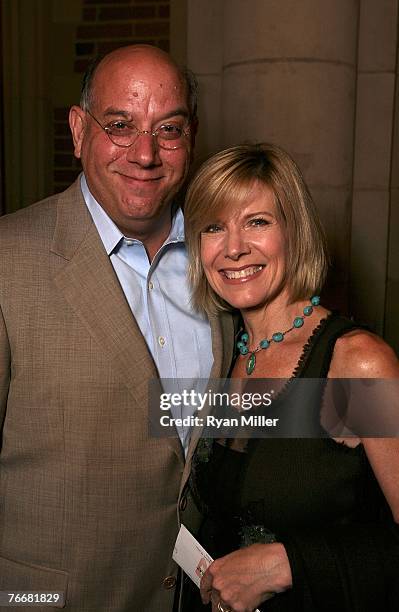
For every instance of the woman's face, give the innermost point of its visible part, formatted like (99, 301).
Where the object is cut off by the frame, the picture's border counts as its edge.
(243, 251)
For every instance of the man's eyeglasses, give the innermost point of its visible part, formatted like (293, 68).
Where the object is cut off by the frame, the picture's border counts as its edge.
(123, 134)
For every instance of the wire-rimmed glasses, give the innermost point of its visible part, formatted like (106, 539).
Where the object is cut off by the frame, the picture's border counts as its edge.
(170, 135)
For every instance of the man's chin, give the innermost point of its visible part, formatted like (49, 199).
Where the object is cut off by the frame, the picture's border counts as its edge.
(140, 212)
(145, 203)
(142, 208)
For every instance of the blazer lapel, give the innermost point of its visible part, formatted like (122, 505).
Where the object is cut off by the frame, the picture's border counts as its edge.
(91, 287)
(222, 327)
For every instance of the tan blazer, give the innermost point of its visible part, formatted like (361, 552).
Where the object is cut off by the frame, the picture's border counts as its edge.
(87, 498)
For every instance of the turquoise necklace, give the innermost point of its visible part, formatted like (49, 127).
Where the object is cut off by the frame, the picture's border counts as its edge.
(276, 337)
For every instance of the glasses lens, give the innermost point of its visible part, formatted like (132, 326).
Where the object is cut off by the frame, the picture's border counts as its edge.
(122, 133)
(170, 136)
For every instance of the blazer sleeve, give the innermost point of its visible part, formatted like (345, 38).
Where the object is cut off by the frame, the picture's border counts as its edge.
(352, 568)
(5, 363)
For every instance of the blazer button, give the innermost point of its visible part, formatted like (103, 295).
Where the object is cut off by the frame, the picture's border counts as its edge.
(169, 582)
(183, 503)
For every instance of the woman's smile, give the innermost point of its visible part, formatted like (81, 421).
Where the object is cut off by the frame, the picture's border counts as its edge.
(244, 274)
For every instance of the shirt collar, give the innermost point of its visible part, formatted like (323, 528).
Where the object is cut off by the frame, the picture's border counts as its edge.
(177, 230)
(110, 234)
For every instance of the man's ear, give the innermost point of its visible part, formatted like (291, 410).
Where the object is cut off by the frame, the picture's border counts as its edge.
(77, 123)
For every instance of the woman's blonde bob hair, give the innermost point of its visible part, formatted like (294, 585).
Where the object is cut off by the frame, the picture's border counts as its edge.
(227, 178)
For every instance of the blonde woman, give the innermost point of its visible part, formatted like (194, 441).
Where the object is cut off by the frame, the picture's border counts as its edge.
(294, 524)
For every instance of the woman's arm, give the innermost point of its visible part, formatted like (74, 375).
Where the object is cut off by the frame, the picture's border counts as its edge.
(361, 354)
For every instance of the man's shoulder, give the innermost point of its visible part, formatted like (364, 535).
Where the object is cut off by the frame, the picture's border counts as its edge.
(37, 220)
(31, 218)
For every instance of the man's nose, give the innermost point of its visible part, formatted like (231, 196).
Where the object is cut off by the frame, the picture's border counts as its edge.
(144, 151)
(236, 244)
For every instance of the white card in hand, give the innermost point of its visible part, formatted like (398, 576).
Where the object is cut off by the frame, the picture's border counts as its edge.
(191, 556)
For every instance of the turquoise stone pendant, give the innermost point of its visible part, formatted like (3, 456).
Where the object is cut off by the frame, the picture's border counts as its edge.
(276, 337)
(251, 363)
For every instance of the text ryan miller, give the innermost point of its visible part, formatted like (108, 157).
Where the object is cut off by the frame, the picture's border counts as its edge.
(212, 421)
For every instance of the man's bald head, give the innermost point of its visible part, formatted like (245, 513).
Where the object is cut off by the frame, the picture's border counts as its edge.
(138, 53)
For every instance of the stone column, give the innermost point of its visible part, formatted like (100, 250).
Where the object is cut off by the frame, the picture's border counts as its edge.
(375, 217)
(391, 331)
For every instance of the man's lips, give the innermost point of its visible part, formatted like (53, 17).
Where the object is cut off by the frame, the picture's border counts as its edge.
(140, 179)
(242, 274)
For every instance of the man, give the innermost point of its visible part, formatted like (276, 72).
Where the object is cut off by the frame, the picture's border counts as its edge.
(94, 304)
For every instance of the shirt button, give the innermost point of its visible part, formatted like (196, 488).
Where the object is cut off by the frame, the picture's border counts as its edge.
(150, 286)
(169, 582)
(129, 242)
(161, 341)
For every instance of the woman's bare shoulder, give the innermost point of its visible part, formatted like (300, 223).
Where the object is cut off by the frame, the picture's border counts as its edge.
(361, 354)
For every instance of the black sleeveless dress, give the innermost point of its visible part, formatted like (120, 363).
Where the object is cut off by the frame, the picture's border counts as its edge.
(318, 497)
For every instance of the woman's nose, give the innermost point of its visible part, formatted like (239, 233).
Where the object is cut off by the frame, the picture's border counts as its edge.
(236, 244)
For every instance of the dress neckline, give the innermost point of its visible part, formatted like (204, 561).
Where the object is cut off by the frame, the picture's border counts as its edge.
(309, 345)
(303, 358)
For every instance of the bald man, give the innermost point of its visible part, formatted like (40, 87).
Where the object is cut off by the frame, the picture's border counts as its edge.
(94, 303)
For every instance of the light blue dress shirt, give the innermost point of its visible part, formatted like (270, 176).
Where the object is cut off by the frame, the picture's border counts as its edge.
(158, 293)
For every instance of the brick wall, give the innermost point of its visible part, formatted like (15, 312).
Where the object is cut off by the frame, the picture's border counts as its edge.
(105, 25)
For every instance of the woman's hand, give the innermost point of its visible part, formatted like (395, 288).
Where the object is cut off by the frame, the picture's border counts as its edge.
(246, 577)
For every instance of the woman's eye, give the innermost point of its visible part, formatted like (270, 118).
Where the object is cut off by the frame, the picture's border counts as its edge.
(211, 229)
(259, 222)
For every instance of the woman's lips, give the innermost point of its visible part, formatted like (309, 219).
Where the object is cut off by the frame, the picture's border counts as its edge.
(239, 275)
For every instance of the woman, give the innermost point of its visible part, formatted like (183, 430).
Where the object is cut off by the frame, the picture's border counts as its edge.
(295, 524)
